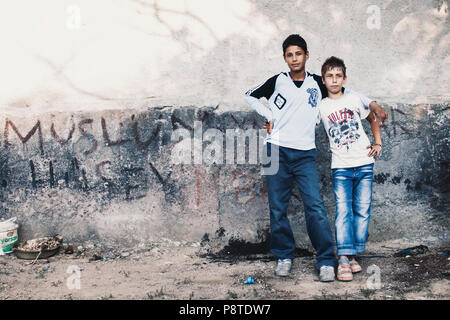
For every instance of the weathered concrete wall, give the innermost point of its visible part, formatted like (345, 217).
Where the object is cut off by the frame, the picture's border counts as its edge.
(82, 54)
(111, 176)
(85, 144)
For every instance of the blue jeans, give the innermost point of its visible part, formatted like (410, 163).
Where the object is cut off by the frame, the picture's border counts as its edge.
(299, 166)
(353, 195)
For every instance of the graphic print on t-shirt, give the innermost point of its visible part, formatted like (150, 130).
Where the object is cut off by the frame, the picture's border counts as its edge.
(343, 128)
(313, 97)
(279, 101)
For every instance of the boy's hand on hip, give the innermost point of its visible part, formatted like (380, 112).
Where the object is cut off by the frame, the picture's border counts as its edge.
(375, 150)
(268, 125)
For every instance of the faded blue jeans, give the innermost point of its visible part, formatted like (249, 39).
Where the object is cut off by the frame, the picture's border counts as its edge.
(353, 195)
(300, 167)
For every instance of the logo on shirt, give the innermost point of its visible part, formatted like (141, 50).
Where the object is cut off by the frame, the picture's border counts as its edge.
(279, 101)
(313, 97)
(343, 128)
(340, 115)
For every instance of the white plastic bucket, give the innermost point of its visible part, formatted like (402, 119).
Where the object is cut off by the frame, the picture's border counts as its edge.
(8, 235)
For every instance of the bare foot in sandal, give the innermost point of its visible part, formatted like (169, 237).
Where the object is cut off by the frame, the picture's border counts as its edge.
(354, 265)
(344, 271)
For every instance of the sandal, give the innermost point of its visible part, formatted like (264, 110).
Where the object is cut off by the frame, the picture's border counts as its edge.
(354, 266)
(344, 272)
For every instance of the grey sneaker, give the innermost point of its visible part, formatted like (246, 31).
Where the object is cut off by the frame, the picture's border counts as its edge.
(326, 273)
(283, 267)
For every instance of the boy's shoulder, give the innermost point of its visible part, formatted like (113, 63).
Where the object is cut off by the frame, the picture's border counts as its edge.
(353, 98)
(285, 75)
(281, 74)
(266, 89)
(346, 98)
(324, 104)
(273, 79)
(315, 76)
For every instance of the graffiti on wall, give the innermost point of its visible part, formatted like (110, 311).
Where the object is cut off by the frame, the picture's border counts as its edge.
(128, 156)
(121, 158)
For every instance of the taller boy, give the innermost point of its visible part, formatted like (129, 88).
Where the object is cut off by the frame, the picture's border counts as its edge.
(293, 99)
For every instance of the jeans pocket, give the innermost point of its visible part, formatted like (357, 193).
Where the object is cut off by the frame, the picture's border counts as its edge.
(367, 168)
(339, 172)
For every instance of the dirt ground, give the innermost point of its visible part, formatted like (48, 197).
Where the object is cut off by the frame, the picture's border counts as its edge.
(179, 270)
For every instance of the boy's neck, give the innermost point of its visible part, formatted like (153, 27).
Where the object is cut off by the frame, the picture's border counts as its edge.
(298, 75)
(335, 95)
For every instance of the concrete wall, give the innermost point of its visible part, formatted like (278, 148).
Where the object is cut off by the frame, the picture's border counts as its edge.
(116, 176)
(91, 92)
(82, 54)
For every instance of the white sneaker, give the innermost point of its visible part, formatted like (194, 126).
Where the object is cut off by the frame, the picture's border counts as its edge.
(326, 273)
(283, 267)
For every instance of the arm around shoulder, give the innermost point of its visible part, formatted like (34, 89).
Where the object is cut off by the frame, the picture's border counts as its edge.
(379, 111)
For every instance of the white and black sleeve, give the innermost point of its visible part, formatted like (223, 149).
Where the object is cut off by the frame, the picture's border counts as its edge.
(264, 90)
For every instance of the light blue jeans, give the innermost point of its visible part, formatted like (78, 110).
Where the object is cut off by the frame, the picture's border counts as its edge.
(353, 195)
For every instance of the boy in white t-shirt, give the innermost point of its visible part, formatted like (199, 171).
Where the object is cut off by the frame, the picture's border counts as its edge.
(352, 164)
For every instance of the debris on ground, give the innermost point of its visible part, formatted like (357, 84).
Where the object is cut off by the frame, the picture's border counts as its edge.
(417, 270)
(69, 250)
(373, 256)
(95, 257)
(249, 280)
(39, 248)
(168, 271)
(39, 244)
(413, 251)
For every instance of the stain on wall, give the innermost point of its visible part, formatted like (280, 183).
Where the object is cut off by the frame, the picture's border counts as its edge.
(110, 175)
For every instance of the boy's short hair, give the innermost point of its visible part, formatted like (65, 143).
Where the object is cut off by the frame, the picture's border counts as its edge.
(333, 62)
(294, 40)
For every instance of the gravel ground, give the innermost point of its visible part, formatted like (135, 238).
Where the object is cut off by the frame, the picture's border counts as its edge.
(173, 270)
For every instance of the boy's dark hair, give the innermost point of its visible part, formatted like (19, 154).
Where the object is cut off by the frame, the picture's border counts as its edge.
(333, 62)
(294, 40)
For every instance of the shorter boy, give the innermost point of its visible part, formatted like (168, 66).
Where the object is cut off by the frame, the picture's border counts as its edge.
(351, 164)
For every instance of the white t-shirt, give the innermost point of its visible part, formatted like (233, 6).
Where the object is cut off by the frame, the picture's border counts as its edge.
(292, 107)
(342, 121)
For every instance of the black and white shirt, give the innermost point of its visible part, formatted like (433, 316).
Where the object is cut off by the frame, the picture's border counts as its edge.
(293, 108)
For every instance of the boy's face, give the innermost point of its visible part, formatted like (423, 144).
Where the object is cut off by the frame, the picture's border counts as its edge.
(295, 58)
(334, 79)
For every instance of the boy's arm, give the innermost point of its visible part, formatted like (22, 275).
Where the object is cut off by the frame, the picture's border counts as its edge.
(379, 111)
(265, 90)
(319, 114)
(259, 107)
(375, 126)
(323, 89)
